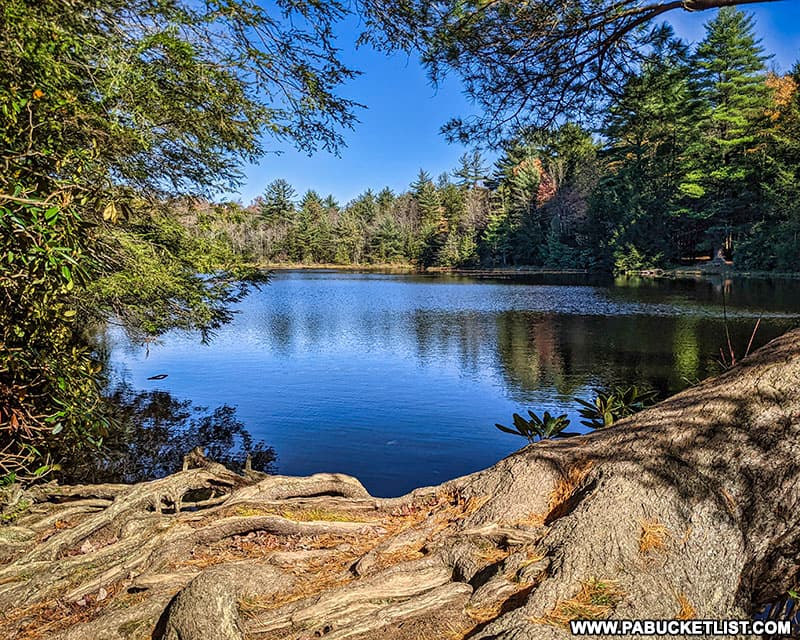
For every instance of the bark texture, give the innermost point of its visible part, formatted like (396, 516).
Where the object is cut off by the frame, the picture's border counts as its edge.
(688, 509)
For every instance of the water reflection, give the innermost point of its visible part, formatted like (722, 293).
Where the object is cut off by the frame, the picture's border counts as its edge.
(150, 433)
(567, 353)
(399, 380)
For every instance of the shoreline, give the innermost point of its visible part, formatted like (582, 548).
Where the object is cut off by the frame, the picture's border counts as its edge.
(702, 272)
(674, 273)
(388, 267)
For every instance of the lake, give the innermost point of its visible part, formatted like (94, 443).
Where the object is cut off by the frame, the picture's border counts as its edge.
(400, 379)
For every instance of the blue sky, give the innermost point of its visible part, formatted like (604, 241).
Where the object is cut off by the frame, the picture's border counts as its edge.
(399, 130)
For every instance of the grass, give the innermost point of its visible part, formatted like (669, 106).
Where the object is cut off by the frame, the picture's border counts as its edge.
(318, 515)
(19, 509)
(653, 537)
(299, 515)
(395, 267)
(595, 600)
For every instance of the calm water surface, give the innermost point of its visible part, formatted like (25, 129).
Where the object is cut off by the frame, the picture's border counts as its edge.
(400, 379)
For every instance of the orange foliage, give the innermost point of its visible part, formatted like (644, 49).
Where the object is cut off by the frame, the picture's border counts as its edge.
(547, 186)
(784, 89)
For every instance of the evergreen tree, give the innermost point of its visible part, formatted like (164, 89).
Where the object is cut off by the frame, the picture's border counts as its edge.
(350, 232)
(107, 111)
(330, 204)
(454, 211)
(385, 241)
(422, 179)
(519, 173)
(277, 203)
(307, 233)
(649, 129)
(494, 246)
(364, 207)
(433, 225)
(471, 171)
(385, 201)
(774, 241)
(727, 163)
(327, 242)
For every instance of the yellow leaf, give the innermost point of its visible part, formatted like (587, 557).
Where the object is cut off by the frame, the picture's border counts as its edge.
(110, 213)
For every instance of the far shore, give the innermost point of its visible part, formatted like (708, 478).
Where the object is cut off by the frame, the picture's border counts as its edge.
(710, 270)
(389, 267)
(693, 272)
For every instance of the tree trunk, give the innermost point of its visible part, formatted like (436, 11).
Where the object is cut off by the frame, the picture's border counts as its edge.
(689, 509)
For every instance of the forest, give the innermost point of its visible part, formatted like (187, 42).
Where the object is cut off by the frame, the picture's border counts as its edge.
(697, 158)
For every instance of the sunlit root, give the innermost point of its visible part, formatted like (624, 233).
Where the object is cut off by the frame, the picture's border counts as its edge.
(616, 524)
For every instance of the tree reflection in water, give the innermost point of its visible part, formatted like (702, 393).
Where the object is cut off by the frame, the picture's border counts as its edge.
(151, 431)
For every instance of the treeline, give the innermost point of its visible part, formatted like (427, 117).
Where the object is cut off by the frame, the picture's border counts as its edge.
(698, 157)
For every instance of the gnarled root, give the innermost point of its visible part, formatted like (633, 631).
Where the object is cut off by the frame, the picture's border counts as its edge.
(687, 509)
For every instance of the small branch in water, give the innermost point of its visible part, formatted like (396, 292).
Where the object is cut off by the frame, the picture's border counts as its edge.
(727, 330)
(752, 336)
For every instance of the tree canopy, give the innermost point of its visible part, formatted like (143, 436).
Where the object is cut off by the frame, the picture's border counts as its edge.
(527, 64)
(109, 108)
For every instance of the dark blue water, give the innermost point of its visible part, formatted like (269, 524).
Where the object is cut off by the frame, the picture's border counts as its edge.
(400, 379)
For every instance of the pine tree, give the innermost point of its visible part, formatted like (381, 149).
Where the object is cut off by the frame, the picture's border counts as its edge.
(433, 225)
(422, 179)
(278, 202)
(307, 232)
(471, 171)
(519, 171)
(385, 244)
(649, 129)
(350, 231)
(494, 246)
(385, 201)
(727, 162)
(453, 199)
(774, 241)
(364, 207)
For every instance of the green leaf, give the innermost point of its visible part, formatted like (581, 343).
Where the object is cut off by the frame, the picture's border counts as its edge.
(507, 430)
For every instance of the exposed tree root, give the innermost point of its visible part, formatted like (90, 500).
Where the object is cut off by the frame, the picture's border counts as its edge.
(688, 509)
